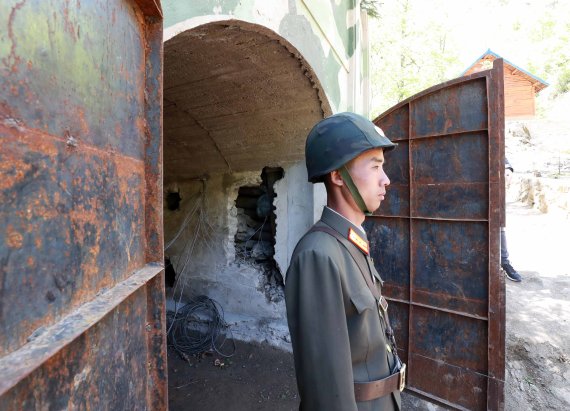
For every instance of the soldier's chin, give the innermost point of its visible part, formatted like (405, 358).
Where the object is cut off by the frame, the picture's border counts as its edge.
(373, 209)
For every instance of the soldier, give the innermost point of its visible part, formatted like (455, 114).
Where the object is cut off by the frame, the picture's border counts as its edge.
(343, 345)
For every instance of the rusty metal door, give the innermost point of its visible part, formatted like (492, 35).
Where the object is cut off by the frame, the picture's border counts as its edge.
(435, 240)
(81, 279)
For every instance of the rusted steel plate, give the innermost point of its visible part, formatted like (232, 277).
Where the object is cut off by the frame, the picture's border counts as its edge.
(456, 108)
(396, 123)
(49, 341)
(430, 196)
(450, 265)
(399, 318)
(107, 369)
(447, 347)
(438, 248)
(153, 133)
(449, 338)
(60, 77)
(496, 371)
(390, 249)
(73, 217)
(397, 167)
(449, 168)
(80, 203)
(157, 372)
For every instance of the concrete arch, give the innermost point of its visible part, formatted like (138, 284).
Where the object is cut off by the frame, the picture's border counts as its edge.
(237, 97)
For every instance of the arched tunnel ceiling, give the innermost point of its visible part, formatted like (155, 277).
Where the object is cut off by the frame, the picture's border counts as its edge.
(236, 98)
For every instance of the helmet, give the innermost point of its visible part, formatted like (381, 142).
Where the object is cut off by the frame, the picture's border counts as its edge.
(337, 139)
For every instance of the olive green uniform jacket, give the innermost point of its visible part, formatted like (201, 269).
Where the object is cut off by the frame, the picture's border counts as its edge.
(337, 333)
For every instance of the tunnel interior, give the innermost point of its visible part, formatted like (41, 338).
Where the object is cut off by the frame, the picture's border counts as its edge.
(237, 97)
(239, 101)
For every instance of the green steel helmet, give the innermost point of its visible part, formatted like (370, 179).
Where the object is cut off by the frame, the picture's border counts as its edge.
(337, 139)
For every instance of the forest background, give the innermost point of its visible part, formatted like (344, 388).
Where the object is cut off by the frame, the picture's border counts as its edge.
(417, 44)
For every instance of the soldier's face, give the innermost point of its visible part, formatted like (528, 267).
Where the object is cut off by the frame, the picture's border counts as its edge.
(367, 172)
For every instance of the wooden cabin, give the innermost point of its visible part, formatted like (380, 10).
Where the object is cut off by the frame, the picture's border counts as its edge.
(521, 87)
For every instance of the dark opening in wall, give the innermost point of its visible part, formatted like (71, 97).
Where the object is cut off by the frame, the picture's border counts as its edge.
(256, 228)
(173, 200)
(169, 273)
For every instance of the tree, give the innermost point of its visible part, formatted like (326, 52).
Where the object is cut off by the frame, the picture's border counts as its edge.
(417, 44)
(411, 49)
(371, 7)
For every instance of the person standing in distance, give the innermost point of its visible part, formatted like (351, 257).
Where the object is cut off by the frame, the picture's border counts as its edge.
(506, 265)
(343, 346)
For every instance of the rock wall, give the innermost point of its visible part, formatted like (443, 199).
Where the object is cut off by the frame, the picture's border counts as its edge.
(545, 194)
(539, 151)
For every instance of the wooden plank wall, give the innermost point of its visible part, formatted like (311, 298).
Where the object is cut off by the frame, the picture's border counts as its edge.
(519, 96)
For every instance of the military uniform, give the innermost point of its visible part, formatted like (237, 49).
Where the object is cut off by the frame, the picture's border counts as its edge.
(337, 333)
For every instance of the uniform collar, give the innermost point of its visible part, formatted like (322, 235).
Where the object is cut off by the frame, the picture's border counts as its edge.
(331, 217)
(344, 226)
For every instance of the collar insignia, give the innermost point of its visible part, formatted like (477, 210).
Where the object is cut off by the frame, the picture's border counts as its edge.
(358, 241)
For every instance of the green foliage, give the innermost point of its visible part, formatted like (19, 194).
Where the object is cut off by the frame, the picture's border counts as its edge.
(417, 44)
(563, 84)
(410, 51)
(517, 25)
(371, 7)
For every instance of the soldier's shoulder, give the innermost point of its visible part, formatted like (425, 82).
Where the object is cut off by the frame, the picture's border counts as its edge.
(317, 242)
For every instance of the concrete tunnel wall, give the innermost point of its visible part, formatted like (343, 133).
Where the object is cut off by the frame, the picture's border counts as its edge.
(213, 268)
(239, 97)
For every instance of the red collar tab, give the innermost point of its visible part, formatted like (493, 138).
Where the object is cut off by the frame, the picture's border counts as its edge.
(358, 241)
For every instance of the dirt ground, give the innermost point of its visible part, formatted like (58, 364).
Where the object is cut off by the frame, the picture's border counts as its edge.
(538, 311)
(257, 377)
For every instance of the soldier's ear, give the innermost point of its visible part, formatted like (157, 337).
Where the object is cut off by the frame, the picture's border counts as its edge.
(335, 178)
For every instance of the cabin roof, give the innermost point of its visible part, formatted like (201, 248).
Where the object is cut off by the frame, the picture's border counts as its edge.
(490, 55)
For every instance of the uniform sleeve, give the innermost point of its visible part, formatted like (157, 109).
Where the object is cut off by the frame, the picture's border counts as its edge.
(319, 334)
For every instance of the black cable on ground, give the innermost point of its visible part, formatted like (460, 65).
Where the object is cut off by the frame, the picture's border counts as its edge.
(185, 333)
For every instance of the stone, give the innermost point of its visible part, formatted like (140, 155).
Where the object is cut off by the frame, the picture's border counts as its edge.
(262, 250)
(244, 236)
(246, 224)
(562, 394)
(264, 206)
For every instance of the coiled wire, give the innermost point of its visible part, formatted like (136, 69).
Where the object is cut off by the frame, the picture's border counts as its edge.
(190, 340)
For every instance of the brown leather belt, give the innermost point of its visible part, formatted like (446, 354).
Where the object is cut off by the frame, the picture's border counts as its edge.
(366, 391)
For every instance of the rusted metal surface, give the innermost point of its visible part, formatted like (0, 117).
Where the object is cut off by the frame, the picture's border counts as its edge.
(80, 205)
(436, 239)
(46, 344)
(497, 211)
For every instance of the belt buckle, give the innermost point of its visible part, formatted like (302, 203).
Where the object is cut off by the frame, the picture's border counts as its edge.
(402, 378)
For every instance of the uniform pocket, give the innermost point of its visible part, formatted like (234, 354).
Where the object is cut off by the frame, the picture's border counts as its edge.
(363, 301)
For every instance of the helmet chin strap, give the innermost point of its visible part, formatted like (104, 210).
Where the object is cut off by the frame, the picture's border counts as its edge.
(353, 190)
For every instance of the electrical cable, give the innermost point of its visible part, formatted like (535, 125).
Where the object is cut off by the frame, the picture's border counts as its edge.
(184, 331)
(190, 340)
(183, 225)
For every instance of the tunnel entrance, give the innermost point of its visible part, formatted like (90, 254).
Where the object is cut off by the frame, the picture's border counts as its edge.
(238, 98)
